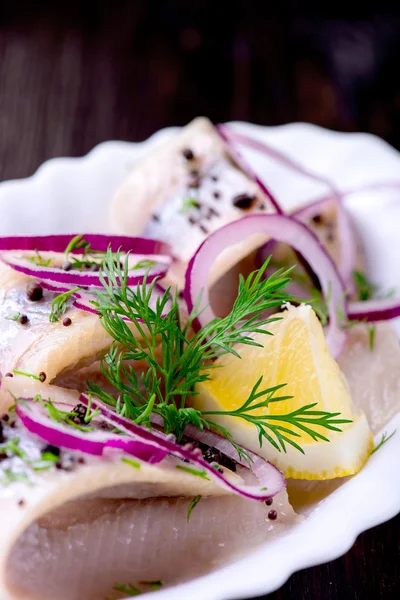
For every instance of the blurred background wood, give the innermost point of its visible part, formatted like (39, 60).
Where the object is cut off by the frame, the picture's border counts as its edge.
(77, 73)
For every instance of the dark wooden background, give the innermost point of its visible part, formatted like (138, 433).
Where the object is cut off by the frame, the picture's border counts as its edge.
(76, 73)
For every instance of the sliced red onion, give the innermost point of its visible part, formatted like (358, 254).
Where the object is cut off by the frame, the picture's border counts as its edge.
(58, 243)
(281, 228)
(35, 418)
(87, 278)
(238, 158)
(57, 288)
(347, 245)
(271, 480)
(238, 138)
(374, 310)
(85, 302)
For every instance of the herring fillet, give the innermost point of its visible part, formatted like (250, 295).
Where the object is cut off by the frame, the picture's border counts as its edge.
(149, 202)
(42, 346)
(373, 374)
(103, 478)
(88, 546)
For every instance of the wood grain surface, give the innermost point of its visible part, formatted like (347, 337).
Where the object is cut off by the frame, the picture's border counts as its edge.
(78, 73)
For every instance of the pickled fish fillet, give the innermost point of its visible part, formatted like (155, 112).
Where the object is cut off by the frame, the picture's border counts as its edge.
(42, 346)
(102, 519)
(371, 364)
(185, 190)
(108, 542)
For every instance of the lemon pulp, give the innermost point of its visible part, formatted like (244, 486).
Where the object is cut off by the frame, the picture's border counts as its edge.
(295, 354)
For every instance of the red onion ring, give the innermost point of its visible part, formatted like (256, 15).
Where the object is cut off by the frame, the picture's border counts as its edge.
(281, 228)
(381, 309)
(347, 246)
(58, 243)
(271, 480)
(86, 278)
(33, 416)
(239, 138)
(237, 157)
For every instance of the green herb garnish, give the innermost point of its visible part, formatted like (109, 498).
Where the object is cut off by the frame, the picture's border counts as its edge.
(11, 448)
(192, 504)
(61, 416)
(385, 438)
(371, 336)
(177, 362)
(196, 472)
(365, 289)
(59, 304)
(155, 585)
(32, 375)
(13, 317)
(7, 476)
(39, 260)
(187, 204)
(127, 588)
(88, 254)
(133, 463)
(144, 264)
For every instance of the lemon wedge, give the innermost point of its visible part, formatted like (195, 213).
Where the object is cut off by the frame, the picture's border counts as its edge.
(297, 355)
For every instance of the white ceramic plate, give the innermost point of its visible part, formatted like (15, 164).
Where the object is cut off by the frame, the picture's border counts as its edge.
(67, 195)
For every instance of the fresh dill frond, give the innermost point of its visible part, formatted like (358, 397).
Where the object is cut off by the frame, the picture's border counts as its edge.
(155, 585)
(39, 260)
(89, 256)
(26, 374)
(371, 336)
(192, 504)
(274, 428)
(132, 463)
(8, 476)
(385, 438)
(365, 289)
(144, 264)
(12, 448)
(177, 358)
(13, 317)
(59, 304)
(187, 204)
(62, 416)
(127, 588)
(191, 471)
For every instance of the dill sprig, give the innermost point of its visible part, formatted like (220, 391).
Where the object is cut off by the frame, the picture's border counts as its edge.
(38, 260)
(192, 504)
(385, 438)
(177, 359)
(59, 304)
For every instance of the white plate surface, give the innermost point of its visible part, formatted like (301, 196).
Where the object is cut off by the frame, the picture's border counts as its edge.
(67, 195)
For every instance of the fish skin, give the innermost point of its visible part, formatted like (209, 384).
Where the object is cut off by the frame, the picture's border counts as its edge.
(102, 543)
(104, 478)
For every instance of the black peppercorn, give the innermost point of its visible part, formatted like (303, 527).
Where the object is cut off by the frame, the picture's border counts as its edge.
(272, 515)
(49, 448)
(23, 319)
(34, 292)
(243, 201)
(67, 322)
(188, 153)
